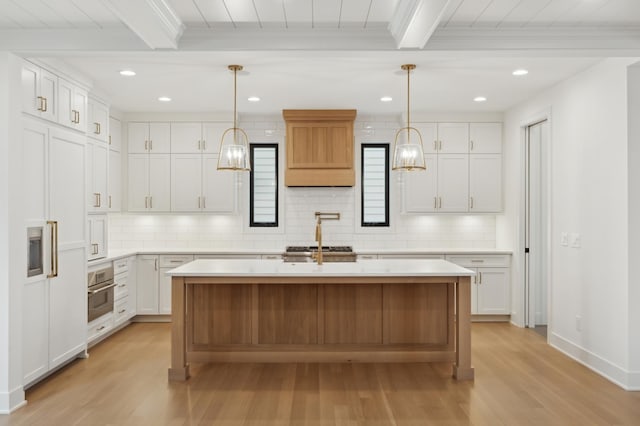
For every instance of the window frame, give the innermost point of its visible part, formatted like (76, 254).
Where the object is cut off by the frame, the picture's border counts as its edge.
(387, 222)
(252, 222)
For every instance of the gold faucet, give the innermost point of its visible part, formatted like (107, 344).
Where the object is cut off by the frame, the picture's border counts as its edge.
(319, 217)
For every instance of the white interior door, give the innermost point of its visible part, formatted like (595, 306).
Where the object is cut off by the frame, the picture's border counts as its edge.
(536, 225)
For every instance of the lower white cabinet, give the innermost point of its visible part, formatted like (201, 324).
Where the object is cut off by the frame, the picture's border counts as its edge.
(124, 294)
(491, 286)
(153, 285)
(168, 262)
(97, 228)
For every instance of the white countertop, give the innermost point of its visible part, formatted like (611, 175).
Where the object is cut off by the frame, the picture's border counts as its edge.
(278, 268)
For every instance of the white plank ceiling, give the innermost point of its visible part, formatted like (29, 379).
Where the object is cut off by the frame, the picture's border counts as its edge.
(327, 13)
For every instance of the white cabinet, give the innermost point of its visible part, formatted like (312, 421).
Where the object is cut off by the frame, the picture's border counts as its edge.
(115, 134)
(98, 121)
(421, 188)
(54, 303)
(168, 262)
(125, 290)
(485, 182)
(191, 138)
(453, 138)
(485, 138)
(147, 285)
(429, 133)
(453, 182)
(97, 176)
(72, 105)
(97, 236)
(490, 288)
(149, 138)
(197, 184)
(39, 91)
(115, 181)
(149, 182)
(99, 328)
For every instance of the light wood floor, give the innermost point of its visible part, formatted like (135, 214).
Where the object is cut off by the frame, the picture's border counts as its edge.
(519, 381)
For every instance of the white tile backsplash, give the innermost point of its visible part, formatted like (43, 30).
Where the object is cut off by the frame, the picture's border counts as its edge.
(298, 205)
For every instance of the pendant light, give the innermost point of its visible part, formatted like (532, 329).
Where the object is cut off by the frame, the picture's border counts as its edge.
(234, 145)
(407, 152)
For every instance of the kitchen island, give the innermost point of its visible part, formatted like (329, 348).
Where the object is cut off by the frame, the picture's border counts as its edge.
(367, 311)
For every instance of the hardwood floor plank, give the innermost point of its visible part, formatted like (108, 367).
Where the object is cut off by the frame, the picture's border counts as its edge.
(520, 380)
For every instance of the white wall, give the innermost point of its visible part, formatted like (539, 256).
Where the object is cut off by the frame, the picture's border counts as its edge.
(589, 181)
(12, 241)
(297, 222)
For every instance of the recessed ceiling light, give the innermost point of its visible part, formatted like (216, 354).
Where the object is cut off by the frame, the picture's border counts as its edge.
(128, 73)
(479, 99)
(520, 72)
(164, 99)
(386, 99)
(253, 99)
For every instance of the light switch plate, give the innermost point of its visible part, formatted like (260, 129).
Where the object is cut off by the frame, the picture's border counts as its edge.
(564, 239)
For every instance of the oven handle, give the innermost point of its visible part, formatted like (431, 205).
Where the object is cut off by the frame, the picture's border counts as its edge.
(103, 288)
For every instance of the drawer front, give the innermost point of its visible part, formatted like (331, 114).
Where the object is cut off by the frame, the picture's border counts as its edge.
(480, 261)
(367, 257)
(120, 265)
(271, 256)
(173, 261)
(122, 311)
(100, 327)
(122, 287)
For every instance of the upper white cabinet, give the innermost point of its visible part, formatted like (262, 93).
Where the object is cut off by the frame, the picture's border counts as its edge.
(193, 138)
(149, 138)
(197, 184)
(97, 227)
(453, 138)
(115, 181)
(149, 182)
(39, 91)
(115, 134)
(98, 122)
(72, 105)
(97, 176)
(485, 138)
(463, 174)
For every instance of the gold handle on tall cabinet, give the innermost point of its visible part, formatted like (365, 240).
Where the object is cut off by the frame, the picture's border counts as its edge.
(480, 274)
(54, 248)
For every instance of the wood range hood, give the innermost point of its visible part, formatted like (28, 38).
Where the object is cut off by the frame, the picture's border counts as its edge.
(319, 147)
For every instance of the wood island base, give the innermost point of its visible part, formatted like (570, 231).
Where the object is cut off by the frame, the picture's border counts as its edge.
(320, 319)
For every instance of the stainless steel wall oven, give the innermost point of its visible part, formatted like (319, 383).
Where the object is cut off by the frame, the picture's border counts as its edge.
(100, 292)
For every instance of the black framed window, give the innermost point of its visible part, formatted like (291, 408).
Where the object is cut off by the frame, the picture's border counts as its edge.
(375, 185)
(263, 191)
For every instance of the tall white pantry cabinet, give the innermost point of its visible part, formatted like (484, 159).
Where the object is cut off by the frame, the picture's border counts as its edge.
(54, 302)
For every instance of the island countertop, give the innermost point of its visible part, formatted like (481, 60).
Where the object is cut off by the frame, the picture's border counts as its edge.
(278, 268)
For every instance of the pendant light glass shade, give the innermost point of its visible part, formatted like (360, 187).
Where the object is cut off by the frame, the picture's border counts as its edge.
(234, 145)
(408, 153)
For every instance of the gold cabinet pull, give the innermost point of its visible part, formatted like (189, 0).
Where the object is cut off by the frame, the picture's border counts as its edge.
(150, 202)
(439, 202)
(199, 206)
(146, 202)
(109, 201)
(41, 105)
(97, 130)
(150, 145)
(109, 139)
(435, 202)
(146, 145)
(471, 202)
(96, 199)
(44, 108)
(54, 249)
(471, 142)
(204, 202)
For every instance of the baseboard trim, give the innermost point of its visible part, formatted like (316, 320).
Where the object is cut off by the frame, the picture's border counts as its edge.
(151, 318)
(490, 318)
(11, 401)
(627, 380)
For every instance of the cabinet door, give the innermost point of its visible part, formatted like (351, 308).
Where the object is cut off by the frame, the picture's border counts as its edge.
(164, 299)
(138, 182)
(186, 138)
(49, 91)
(147, 285)
(218, 187)
(421, 188)
(67, 187)
(453, 182)
(186, 182)
(115, 181)
(493, 291)
(66, 111)
(212, 136)
(35, 329)
(159, 182)
(485, 138)
(98, 120)
(68, 307)
(35, 139)
(30, 89)
(80, 99)
(453, 138)
(98, 170)
(97, 236)
(429, 132)
(159, 138)
(115, 134)
(138, 138)
(485, 183)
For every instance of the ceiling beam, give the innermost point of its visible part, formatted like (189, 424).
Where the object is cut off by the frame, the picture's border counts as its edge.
(154, 21)
(414, 21)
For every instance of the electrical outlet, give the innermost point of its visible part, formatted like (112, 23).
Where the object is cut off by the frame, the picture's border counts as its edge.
(564, 239)
(576, 240)
(578, 323)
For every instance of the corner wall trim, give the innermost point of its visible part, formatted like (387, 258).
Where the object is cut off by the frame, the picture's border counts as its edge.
(12, 400)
